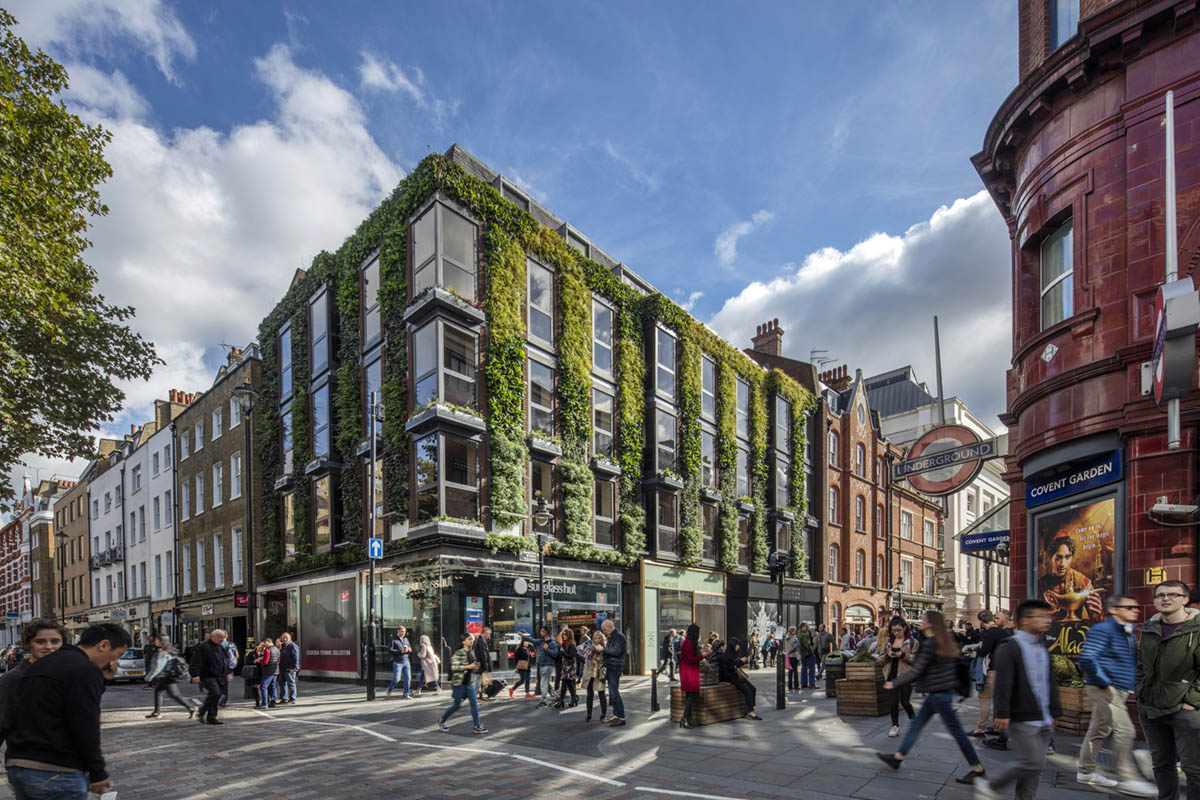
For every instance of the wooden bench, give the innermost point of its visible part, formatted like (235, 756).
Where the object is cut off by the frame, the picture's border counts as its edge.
(716, 703)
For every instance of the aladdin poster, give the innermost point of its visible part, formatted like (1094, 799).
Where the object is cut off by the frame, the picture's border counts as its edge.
(1075, 569)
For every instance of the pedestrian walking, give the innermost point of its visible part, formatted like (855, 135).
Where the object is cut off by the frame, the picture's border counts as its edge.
(847, 639)
(54, 737)
(752, 648)
(163, 677)
(231, 659)
(666, 654)
(567, 664)
(430, 664)
(148, 652)
(483, 655)
(594, 674)
(1025, 700)
(770, 645)
(808, 657)
(523, 660)
(825, 642)
(39, 638)
(463, 667)
(1109, 662)
(897, 652)
(289, 668)
(547, 655)
(614, 666)
(996, 628)
(731, 665)
(689, 673)
(400, 651)
(1168, 694)
(935, 672)
(791, 650)
(210, 668)
(268, 665)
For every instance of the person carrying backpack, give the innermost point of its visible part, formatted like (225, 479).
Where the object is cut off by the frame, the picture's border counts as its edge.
(167, 669)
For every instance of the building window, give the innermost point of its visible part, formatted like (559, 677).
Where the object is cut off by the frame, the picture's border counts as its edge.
(668, 523)
(447, 477)
(664, 363)
(1057, 271)
(906, 526)
(541, 398)
(320, 421)
(444, 252)
(930, 588)
(744, 541)
(199, 493)
(217, 420)
(928, 533)
(970, 502)
(377, 495)
(235, 413)
(373, 383)
(198, 437)
(833, 505)
(158, 586)
(860, 513)
(541, 303)
(906, 575)
(218, 560)
(444, 358)
(157, 513)
(288, 525)
(783, 425)
(602, 424)
(602, 338)
(1064, 21)
(543, 482)
(860, 460)
(185, 501)
(236, 545)
(664, 440)
(323, 516)
(879, 521)
(285, 438)
(708, 389)
(318, 333)
(743, 409)
(201, 578)
(834, 574)
(184, 450)
(708, 459)
(235, 476)
(860, 568)
(170, 509)
(136, 477)
(141, 524)
(708, 532)
(782, 493)
(371, 330)
(743, 472)
(878, 571)
(605, 513)
(285, 363)
(153, 467)
(833, 448)
(218, 485)
(879, 471)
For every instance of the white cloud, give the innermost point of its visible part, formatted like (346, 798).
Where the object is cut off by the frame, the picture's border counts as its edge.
(528, 186)
(690, 302)
(378, 73)
(82, 27)
(872, 306)
(652, 183)
(725, 246)
(111, 95)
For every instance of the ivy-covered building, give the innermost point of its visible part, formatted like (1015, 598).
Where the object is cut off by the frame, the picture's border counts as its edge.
(512, 361)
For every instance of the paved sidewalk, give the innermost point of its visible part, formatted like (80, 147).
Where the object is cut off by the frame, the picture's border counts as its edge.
(334, 744)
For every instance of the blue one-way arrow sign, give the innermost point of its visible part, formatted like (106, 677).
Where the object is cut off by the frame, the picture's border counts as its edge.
(374, 548)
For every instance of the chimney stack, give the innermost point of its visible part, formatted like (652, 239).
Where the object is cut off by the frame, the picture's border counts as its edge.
(769, 338)
(837, 378)
(235, 356)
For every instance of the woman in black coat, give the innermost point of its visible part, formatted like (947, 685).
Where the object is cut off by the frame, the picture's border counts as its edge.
(567, 666)
(729, 658)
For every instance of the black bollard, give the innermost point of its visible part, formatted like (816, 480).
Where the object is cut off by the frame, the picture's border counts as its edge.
(654, 690)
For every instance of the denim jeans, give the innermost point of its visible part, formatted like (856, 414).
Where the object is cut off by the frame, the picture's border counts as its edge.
(546, 676)
(614, 691)
(464, 693)
(266, 689)
(942, 704)
(401, 668)
(808, 671)
(523, 676)
(287, 693)
(40, 784)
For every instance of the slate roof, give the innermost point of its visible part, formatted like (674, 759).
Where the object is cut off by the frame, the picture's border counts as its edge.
(897, 392)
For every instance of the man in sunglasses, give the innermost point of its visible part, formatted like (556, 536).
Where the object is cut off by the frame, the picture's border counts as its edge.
(1168, 693)
(1109, 660)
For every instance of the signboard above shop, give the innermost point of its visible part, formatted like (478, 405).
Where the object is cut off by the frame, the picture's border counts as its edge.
(1096, 471)
(984, 540)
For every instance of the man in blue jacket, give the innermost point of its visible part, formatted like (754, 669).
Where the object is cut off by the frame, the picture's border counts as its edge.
(547, 655)
(1109, 661)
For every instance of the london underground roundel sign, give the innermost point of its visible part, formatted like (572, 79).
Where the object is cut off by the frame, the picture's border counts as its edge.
(944, 460)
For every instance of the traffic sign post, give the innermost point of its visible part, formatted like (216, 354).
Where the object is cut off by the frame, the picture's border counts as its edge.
(374, 548)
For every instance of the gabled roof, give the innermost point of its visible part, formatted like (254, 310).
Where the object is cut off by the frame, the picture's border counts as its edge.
(897, 392)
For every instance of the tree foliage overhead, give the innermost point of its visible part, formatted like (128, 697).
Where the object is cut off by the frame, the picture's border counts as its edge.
(61, 345)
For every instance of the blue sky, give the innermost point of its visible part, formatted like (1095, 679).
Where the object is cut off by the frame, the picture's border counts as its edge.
(807, 161)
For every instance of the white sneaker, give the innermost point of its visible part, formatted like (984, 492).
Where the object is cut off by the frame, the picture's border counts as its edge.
(983, 790)
(1095, 779)
(443, 726)
(1138, 788)
(1145, 763)
(894, 732)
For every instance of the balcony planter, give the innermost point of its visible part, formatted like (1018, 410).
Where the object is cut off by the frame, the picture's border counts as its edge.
(447, 528)
(364, 447)
(437, 299)
(284, 482)
(710, 494)
(783, 515)
(745, 506)
(664, 480)
(543, 446)
(441, 415)
(606, 466)
(321, 464)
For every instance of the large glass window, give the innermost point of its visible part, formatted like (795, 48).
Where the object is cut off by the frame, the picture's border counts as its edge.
(285, 427)
(743, 409)
(602, 338)
(929, 581)
(668, 525)
(860, 513)
(318, 332)
(833, 505)
(323, 516)
(285, 364)
(833, 448)
(906, 575)
(605, 512)
(447, 477)
(455, 381)
(543, 482)
(371, 330)
(541, 398)
(783, 425)
(1057, 271)
(860, 568)
(928, 533)
(665, 363)
(602, 424)
(442, 231)
(906, 526)
(834, 573)
(287, 524)
(879, 572)
(373, 383)
(664, 437)
(708, 532)
(708, 388)
(743, 472)
(1064, 21)
(708, 459)
(320, 421)
(380, 523)
(744, 541)
(218, 560)
(782, 494)
(879, 521)
(541, 303)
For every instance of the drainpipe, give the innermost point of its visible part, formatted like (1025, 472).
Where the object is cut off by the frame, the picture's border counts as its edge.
(176, 623)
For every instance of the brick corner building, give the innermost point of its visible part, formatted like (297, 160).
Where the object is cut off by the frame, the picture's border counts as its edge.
(1075, 161)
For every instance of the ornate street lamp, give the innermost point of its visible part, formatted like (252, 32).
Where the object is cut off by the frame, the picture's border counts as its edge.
(246, 396)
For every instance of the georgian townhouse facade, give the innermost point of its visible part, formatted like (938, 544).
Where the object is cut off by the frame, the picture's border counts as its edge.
(106, 521)
(75, 582)
(538, 399)
(15, 597)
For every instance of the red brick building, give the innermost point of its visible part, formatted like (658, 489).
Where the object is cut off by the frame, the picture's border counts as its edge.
(15, 599)
(1075, 161)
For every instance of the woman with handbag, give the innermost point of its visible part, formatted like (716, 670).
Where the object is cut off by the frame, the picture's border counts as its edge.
(567, 668)
(594, 673)
(896, 651)
(731, 663)
(808, 658)
(429, 665)
(462, 675)
(791, 650)
(167, 669)
(522, 663)
(689, 673)
(252, 672)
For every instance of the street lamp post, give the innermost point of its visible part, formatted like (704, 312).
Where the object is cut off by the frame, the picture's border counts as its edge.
(778, 564)
(246, 395)
(61, 538)
(541, 516)
(375, 415)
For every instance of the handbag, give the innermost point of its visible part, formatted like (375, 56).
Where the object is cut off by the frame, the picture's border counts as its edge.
(522, 664)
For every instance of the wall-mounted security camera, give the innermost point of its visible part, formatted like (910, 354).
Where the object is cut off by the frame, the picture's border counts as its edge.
(1174, 509)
